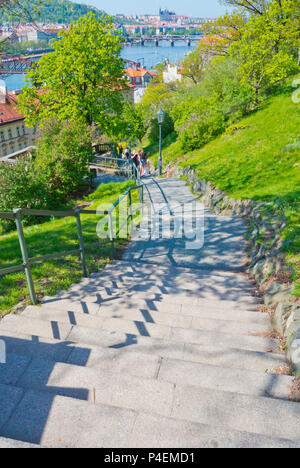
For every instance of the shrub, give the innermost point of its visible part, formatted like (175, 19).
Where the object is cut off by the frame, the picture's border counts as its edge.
(63, 156)
(201, 123)
(20, 187)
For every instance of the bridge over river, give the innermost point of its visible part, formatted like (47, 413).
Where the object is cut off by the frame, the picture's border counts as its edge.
(157, 39)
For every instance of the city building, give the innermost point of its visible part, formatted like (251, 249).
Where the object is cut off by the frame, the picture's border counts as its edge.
(172, 73)
(140, 76)
(15, 137)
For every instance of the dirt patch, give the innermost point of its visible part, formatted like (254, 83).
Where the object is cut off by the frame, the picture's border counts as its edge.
(281, 370)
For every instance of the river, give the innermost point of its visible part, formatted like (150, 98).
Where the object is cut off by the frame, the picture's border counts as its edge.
(149, 56)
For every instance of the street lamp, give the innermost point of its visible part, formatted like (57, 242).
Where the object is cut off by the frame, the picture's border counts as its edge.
(160, 119)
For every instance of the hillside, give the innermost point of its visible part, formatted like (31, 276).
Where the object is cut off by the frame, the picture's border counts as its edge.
(54, 11)
(258, 158)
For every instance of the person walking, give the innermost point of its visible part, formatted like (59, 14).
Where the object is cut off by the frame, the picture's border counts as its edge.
(135, 158)
(120, 151)
(143, 160)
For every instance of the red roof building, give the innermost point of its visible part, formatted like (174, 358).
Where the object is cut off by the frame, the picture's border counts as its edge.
(140, 76)
(14, 135)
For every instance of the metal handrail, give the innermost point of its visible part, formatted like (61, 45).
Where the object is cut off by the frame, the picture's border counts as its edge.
(16, 215)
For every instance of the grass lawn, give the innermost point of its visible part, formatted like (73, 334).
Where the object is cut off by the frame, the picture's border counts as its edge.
(258, 158)
(52, 237)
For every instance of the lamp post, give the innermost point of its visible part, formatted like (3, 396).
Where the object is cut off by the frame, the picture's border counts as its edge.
(160, 119)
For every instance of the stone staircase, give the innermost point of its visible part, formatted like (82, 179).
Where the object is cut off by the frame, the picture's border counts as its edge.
(147, 354)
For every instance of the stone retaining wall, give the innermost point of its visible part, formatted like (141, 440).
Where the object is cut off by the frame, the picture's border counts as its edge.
(267, 261)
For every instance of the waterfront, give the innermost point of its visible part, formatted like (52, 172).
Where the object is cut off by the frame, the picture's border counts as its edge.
(149, 56)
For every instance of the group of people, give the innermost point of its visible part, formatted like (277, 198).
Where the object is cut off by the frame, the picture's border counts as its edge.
(138, 158)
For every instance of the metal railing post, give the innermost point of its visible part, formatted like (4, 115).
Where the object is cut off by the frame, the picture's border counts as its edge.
(111, 234)
(25, 257)
(81, 245)
(130, 211)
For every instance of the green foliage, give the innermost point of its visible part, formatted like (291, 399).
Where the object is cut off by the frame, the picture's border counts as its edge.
(50, 11)
(167, 128)
(63, 156)
(198, 123)
(20, 187)
(193, 66)
(131, 123)
(82, 80)
(222, 82)
(262, 54)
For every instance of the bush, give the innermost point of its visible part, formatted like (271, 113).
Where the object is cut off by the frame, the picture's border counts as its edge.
(221, 81)
(20, 187)
(201, 122)
(63, 156)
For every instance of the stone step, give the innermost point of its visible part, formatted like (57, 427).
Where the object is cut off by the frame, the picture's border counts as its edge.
(91, 304)
(149, 394)
(125, 266)
(139, 269)
(234, 380)
(141, 356)
(129, 332)
(157, 313)
(121, 282)
(161, 294)
(53, 421)
(97, 294)
(268, 416)
(144, 322)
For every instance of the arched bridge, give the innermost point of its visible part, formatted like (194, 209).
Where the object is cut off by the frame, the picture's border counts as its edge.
(21, 64)
(157, 39)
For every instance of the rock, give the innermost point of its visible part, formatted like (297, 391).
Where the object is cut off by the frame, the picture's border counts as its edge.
(293, 351)
(282, 313)
(277, 293)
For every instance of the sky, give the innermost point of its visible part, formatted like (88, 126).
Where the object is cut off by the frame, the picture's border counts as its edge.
(202, 8)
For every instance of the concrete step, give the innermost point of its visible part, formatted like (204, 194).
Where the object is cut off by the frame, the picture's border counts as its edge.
(122, 282)
(268, 416)
(115, 330)
(145, 322)
(137, 267)
(53, 421)
(90, 303)
(100, 294)
(139, 357)
(151, 395)
(236, 380)
(189, 312)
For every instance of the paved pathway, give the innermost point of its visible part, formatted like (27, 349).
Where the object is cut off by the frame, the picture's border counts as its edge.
(165, 348)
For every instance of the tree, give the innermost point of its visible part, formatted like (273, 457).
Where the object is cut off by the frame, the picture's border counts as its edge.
(82, 80)
(256, 7)
(133, 123)
(263, 55)
(193, 66)
(19, 9)
(64, 151)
